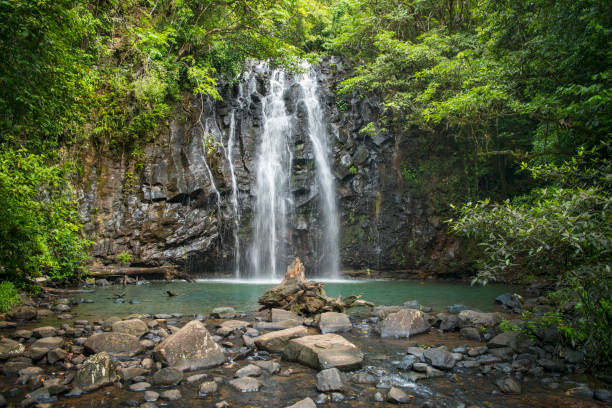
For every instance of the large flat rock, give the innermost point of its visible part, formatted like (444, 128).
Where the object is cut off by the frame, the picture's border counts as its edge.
(277, 341)
(324, 351)
(190, 348)
(114, 343)
(469, 318)
(404, 323)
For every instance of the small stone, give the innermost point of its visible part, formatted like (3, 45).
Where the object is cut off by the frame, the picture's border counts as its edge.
(584, 392)
(167, 377)
(139, 386)
(151, 396)
(223, 312)
(10, 348)
(192, 379)
(246, 384)
(333, 322)
(378, 397)
(603, 395)
(271, 367)
(171, 395)
(397, 396)
(222, 404)
(56, 355)
(364, 378)
(207, 387)
(329, 380)
(322, 398)
(305, 403)
(249, 371)
(420, 367)
(508, 386)
(470, 333)
(337, 397)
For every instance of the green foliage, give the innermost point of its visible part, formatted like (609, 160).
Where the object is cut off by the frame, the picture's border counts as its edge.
(40, 233)
(560, 232)
(9, 296)
(125, 258)
(353, 170)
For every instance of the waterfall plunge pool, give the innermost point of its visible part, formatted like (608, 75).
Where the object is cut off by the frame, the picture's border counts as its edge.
(204, 295)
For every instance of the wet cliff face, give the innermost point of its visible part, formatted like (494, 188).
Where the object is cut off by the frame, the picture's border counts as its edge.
(164, 209)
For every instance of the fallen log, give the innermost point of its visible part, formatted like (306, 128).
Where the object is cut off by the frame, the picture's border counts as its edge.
(304, 297)
(170, 272)
(57, 291)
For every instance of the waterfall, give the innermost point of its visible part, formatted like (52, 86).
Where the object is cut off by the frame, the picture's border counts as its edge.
(317, 133)
(272, 194)
(274, 202)
(235, 206)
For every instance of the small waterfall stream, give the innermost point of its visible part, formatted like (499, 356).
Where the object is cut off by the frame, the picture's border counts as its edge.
(318, 135)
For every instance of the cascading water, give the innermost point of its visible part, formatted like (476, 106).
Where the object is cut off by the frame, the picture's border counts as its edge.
(274, 205)
(273, 197)
(317, 133)
(235, 206)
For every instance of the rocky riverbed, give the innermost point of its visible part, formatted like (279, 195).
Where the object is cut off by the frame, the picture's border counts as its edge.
(406, 354)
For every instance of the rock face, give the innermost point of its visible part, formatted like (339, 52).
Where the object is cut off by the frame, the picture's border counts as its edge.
(190, 348)
(97, 371)
(405, 323)
(113, 343)
(324, 351)
(166, 210)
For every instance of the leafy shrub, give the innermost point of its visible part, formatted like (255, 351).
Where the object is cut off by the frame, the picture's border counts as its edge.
(9, 296)
(562, 233)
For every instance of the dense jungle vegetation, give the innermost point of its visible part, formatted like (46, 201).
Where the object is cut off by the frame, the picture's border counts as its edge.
(523, 86)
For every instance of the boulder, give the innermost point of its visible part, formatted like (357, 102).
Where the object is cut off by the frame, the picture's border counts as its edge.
(97, 371)
(276, 342)
(10, 348)
(469, 318)
(383, 311)
(334, 322)
(127, 373)
(115, 343)
(23, 313)
(449, 323)
(167, 376)
(191, 348)
(330, 380)
(324, 351)
(135, 327)
(405, 323)
(55, 355)
(246, 384)
(439, 357)
(48, 343)
(506, 339)
(46, 331)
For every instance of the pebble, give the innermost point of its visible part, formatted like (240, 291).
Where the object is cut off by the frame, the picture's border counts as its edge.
(139, 386)
(195, 378)
(249, 371)
(378, 397)
(207, 387)
(171, 395)
(151, 396)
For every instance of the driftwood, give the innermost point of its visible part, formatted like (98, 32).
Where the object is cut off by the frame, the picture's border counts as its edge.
(169, 272)
(56, 291)
(304, 297)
